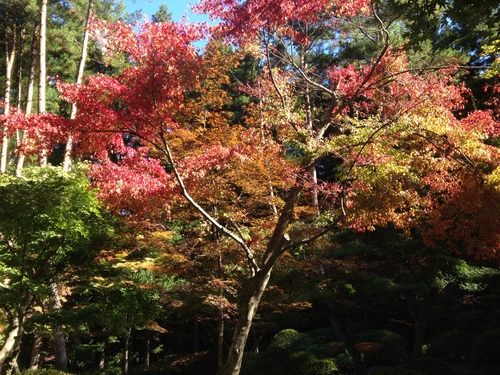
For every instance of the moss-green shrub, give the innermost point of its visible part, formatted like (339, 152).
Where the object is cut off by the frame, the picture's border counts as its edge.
(393, 348)
(452, 346)
(291, 353)
(307, 363)
(289, 340)
(486, 350)
(44, 372)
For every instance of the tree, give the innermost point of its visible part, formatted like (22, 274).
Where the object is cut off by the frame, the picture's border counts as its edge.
(42, 79)
(393, 129)
(162, 14)
(49, 221)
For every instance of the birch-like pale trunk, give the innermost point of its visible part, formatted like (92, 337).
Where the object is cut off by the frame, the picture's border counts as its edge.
(10, 49)
(42, 82)
(79, 78)
(304, 66)
(21, 156)
(12, 339)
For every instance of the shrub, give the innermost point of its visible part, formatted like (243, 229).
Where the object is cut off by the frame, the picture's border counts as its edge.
(289, 340)
(392, 349)
(44, 372)
(306, 363)
(452, 346)
(486, 349)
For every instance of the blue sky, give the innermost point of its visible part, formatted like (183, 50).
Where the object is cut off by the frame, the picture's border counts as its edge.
(178, 8)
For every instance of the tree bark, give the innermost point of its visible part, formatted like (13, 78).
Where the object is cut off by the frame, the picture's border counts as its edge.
(43, 71)
(10, 49)
(36, 349)
(252, 295)
(29, 99)
(12, 340)
(126, 351)
(58, 332)
(79, 78)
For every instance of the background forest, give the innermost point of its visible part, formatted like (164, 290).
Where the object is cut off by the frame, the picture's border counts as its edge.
(300, 187)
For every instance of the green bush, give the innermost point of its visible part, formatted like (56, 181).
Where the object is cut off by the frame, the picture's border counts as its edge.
(307, 363)
(393, 347)
(44, 372)
(290, 353)
(486, 350)
(452, 346)
(345, 363)
(289, 340)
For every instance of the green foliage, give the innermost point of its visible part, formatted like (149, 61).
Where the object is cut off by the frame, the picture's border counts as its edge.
(162, 15)
(289, 340)
(452, 346)
(306, 363)
(50, 223)
(486, 350)
(393, 347)
(291, 353)
(44, 372)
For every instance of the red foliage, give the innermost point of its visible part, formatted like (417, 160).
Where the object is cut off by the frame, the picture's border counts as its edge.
(243, 20)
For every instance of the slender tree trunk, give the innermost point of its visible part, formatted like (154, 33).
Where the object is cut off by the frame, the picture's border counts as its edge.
(220, 318)
(79, 78)
(10, 49)
(421, 325)
(126, 351)
(43, 71)
(220, 340)
(147, 356)
(102, 360)
(12, 340)
(58, 332)
(29, 99)
(310, 126)
(36, 350)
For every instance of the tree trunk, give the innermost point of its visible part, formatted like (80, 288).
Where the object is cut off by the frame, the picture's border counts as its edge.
(36, 349)
(220, 340)
(126, 351)
(421, 325)
(12, 340)
(10, 53)
(102, 360)
(79, 78)
(29, 100)
(43, 71)
(59, 340)
(147, 354)
(11, 365)
(252, 295)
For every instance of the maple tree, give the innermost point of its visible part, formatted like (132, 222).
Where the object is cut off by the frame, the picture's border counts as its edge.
(161, 143)
(393, 128)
